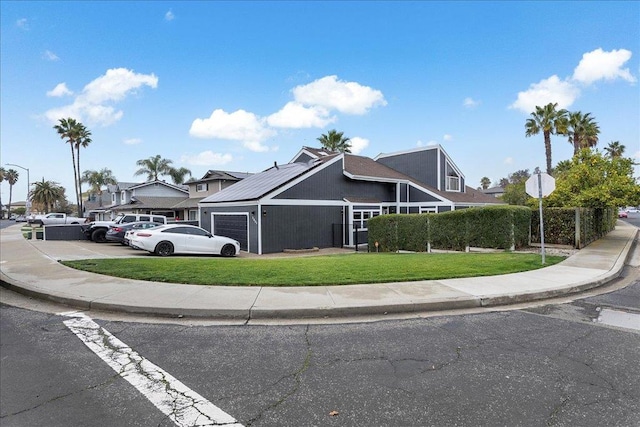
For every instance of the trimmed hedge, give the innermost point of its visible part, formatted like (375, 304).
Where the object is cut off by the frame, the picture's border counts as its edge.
(560, 225)
(500, 227)
(497, 227)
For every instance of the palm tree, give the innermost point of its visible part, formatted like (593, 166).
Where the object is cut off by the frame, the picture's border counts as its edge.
(154, 167)
(2, 174)
(549, 121)
(485, 182)
(583, 131)
(11, 175)
(615, 149)
(335, 141)
(98, 179)
(178, 175)
(83, 140)
(47, 194)
(69, 130)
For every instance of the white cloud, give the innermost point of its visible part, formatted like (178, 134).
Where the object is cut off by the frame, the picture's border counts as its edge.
(547, 91)
(92, 104)
(132, 141)
(470, 103)
(297, 116)
(426, 144)
(508, 161)
(334, 94)
(61, 89)
(50, 56)
(22, 23)
(600, 65)
(447, 137)
(169, 16)
(358, 144)
(116, 84)
(207, 158)
(595, 65)
(237, 126)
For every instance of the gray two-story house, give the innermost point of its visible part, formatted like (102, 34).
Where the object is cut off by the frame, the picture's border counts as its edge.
(324, 199)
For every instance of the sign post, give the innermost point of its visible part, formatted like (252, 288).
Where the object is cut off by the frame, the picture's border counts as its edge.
(540, 185)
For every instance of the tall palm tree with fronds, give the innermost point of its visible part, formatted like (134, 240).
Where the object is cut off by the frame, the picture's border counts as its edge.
(47, 194)
(335, 141)
(83, 140)
(97, 180)
(178, 175)
(2, 174)
(547, 120)
(485, 182)
(153, 167)
(11, 175)
(69, 130)
(583, 131)
(615, 149)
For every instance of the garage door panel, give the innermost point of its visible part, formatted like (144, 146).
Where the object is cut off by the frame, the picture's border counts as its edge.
(234, 226)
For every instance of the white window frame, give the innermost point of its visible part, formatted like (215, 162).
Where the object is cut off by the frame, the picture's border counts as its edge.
(430, 209)
(453, 183)
(201, 188)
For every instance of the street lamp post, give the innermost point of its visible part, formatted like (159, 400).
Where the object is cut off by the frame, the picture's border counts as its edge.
(28, 201)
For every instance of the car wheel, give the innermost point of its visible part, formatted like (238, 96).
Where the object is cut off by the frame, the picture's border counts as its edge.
(99, 236)
(164, 249)
(228, 250)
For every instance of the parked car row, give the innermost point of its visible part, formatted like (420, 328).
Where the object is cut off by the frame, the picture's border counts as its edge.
(168, 239)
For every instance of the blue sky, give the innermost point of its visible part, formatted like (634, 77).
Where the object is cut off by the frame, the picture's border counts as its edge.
(238, 85)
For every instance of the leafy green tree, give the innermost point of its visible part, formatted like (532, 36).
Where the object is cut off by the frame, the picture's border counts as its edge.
(154, 167)
(335, 141)
(514, 188)
(47, 194)
(583, 131)
(11, 175)
(549, 121)
(594, 180)
(178, 175)
(615, 149)
(485, 182)
(99, 179)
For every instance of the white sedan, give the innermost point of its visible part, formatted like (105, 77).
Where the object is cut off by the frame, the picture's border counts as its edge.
(171, 239)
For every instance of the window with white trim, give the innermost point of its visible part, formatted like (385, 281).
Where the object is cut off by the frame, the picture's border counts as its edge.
(201, 187)
(430, 209)
(453, 183)
(361, 217)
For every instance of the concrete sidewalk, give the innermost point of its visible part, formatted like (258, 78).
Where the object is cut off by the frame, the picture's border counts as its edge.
(31, 267)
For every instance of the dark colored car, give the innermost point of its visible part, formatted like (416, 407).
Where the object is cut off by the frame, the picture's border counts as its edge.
(116, 233)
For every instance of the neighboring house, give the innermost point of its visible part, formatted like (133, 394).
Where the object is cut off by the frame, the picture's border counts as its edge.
(494, 191)
(160, 197)
(324, 199)
(212, 182)
(154, 197)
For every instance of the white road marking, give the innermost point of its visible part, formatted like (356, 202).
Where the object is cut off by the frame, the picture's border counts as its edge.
(622, 319)
(182, 405)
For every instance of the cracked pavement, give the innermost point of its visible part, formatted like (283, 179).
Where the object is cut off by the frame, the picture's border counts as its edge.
(550, 366)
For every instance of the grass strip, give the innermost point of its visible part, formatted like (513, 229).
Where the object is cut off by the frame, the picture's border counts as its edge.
(313, 270)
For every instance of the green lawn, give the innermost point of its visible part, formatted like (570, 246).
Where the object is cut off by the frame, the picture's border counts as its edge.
(314, 270)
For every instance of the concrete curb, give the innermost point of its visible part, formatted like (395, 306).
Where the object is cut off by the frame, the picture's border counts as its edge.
(251, 308)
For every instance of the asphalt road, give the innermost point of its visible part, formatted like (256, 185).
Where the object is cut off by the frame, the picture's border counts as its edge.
(553, 365)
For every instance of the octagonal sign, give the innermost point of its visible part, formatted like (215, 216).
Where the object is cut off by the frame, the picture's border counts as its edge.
(547, 184)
